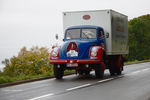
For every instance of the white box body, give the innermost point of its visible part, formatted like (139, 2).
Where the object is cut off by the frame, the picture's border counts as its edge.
(112, 22)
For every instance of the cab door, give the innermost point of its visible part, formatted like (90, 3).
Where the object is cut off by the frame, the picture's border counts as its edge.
(101, 37)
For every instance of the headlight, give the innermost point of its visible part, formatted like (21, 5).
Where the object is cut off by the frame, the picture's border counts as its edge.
(55, 54)
(93, 53)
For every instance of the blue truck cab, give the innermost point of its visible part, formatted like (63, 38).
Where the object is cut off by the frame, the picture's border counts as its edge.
(82, 50)
(83, 38)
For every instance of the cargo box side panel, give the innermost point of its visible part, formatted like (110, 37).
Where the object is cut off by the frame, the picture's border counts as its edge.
(101, 18)
(119, 33)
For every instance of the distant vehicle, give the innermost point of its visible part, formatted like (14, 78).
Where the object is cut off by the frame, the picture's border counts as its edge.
(93, 40)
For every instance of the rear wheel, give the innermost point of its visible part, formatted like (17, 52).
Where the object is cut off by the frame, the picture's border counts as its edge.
(118, 70)
(111, 69)
(58, 71)
(87, 72)
(80, 72)
(98, 72)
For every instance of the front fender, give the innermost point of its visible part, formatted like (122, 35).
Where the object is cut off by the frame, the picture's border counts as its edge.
(56, 49)
(100, 50)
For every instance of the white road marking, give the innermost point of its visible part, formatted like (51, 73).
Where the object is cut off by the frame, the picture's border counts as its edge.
(145, 69)
(88, 84)
(41, 97)
(78, 87)
(121, 76)
(135, 72)
(105, 80)
(126, 74)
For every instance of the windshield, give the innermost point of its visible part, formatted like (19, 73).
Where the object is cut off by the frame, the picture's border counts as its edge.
(88, 33)
(73, 33)
(85, 33)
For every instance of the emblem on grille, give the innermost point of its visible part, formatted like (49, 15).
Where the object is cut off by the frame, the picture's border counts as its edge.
(72, 50)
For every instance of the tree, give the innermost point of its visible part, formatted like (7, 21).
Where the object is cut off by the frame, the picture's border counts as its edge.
(6, 62)
(139, 38)
(8, 69)
(0, 72)
(28, 62)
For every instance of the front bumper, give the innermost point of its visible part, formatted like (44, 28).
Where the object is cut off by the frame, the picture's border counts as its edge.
(74, 61)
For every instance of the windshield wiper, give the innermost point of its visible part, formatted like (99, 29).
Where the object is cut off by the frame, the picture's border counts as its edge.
(85, 35)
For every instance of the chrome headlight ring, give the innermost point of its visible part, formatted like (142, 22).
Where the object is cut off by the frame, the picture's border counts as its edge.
(93, 53)
(55, 54)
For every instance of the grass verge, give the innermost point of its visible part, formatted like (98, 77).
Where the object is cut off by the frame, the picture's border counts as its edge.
(7, 79)
(136, 61)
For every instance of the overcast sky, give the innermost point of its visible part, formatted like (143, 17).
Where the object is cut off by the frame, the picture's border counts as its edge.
(35, 22)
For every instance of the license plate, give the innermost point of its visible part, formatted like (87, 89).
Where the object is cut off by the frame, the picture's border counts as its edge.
(72, 65)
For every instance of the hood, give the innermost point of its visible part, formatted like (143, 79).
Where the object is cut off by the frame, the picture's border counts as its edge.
(78, 49)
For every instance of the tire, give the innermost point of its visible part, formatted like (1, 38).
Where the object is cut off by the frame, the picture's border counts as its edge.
(98, 72)
(118, 70)
(111, 69)
(80, 72)
(58, 72)
(87, 72)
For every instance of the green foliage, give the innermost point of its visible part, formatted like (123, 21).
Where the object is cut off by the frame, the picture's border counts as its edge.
(8, 69)
(136, 61)
(28, 62)
(5, 79)
(6, 62)
(69, 71)
(139, 38)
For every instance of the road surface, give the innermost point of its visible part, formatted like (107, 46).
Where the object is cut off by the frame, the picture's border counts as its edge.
(133, 84)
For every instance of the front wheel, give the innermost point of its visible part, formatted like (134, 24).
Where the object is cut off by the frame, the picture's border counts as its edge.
(58, 71)
(99, 72)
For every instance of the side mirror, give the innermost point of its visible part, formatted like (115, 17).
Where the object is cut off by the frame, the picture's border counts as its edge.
(56, 36)
(107, 35)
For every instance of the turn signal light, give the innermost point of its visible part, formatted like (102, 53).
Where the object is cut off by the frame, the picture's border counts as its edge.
(103, 45)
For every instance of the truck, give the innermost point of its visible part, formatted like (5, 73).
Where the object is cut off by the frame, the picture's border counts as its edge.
(93, 41)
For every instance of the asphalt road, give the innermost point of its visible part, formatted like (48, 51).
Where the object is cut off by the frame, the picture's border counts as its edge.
(133, 84)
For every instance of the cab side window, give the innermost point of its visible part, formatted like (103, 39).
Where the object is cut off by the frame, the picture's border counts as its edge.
(100, 33)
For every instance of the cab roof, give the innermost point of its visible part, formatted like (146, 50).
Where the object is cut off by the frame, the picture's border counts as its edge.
(85, 26)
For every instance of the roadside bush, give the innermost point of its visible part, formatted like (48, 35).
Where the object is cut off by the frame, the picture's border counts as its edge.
(139, 38)
(5, 79)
